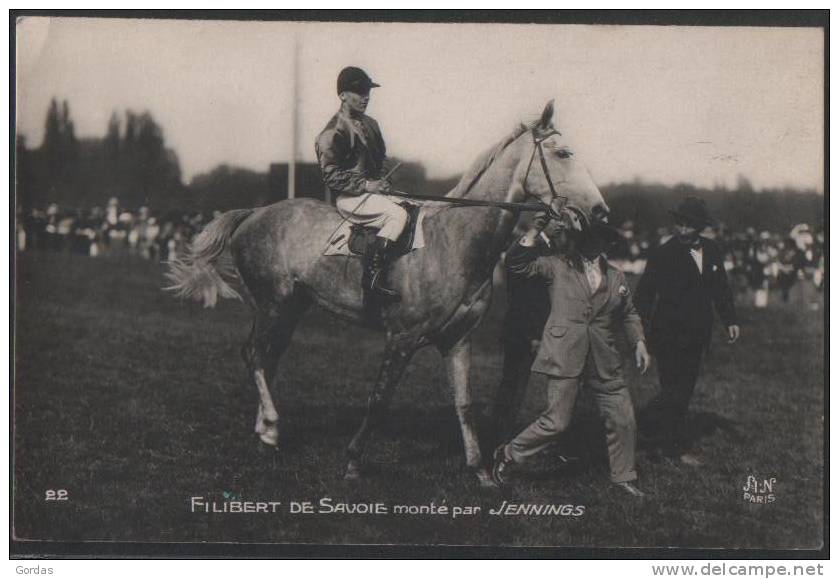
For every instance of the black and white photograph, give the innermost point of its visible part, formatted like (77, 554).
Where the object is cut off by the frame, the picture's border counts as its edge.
(303, 281)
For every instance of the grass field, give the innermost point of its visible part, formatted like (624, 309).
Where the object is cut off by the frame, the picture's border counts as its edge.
(134, 402)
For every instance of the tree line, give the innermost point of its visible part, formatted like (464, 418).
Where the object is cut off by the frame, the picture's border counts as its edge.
(130, 162)
(648, 205)
(133, 163)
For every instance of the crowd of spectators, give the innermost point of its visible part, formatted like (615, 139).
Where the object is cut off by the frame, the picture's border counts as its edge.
(110, 230)
(757, 261)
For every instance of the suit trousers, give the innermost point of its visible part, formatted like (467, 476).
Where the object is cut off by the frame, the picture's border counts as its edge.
(374, 210)
(615, 407)
(678, 370)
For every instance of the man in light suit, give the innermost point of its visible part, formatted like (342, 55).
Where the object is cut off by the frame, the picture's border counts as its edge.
(588, 295)
(683, 283)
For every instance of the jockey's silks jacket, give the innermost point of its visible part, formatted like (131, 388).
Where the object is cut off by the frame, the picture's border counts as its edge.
(580, 327)
(350, 151)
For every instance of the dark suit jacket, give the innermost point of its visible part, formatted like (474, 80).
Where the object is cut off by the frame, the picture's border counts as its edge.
(581, 321)
(528, 303)
(676, 302)
(350, 151)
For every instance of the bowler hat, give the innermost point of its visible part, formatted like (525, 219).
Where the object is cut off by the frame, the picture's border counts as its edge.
(693, 211)
(353, 79)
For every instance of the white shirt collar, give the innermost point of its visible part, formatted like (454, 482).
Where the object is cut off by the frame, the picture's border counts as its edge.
(696, 254)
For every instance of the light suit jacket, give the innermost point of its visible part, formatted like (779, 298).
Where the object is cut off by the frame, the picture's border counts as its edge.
(581, 323)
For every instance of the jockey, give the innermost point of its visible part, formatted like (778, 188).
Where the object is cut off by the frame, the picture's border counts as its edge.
(351, 153)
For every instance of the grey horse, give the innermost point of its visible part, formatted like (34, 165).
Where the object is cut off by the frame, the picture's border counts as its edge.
(275, 252)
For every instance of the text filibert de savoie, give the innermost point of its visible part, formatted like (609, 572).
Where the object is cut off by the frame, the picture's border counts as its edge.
(330, 506)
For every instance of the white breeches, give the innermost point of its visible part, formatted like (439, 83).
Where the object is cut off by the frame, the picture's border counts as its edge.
(374, 210)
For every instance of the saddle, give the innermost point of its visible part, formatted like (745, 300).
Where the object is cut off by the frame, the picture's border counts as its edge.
(362, 238)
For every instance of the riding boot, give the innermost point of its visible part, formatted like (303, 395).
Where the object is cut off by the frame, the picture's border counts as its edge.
(376, 269)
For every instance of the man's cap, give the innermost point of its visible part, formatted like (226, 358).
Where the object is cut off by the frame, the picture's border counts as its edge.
(353, 79)
(693, 211)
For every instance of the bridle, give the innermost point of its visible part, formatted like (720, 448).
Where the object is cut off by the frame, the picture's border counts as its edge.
(563, 201)
(562, 212)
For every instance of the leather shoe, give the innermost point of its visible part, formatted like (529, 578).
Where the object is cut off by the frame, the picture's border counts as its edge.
(631, 489)
(501, 466)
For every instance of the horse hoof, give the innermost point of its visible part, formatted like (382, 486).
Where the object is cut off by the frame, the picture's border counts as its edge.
(485, 479)
(353, 472)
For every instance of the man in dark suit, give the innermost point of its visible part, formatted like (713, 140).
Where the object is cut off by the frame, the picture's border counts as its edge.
(684, 281)
(528, 307)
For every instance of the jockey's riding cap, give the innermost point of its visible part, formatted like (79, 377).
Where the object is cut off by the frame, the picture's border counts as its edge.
(353, 79)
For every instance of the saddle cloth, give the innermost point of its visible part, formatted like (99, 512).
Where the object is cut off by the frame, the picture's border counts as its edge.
(351, 239)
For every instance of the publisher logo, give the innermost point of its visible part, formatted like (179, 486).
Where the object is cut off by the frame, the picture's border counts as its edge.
(759, 491)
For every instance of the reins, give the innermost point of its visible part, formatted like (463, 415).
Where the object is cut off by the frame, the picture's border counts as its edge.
(471, 202)
(538, 206)
(510, 205)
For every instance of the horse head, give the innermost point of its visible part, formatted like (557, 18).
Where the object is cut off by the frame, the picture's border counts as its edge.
(550, 173)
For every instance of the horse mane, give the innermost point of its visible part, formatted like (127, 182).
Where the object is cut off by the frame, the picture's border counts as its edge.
(485, 161)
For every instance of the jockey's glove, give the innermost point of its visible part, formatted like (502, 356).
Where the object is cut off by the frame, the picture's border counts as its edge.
(380, 186)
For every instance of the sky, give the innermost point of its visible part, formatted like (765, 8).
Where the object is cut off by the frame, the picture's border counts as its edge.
(700, 105)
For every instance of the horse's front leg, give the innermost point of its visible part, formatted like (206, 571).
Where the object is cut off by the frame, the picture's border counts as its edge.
(519, 354)
(458, 360)
(396, 359)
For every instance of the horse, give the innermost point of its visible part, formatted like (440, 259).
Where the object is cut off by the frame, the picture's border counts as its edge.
(275, 252)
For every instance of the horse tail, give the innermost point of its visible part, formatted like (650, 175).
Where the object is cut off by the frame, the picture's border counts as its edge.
(200, 273)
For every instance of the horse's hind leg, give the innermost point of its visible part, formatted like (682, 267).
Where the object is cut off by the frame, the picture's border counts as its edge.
(270, 337)
(458, 359)
(262, 361)
(397, 357)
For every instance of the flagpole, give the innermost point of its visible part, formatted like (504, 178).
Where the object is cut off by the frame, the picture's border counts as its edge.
(292, 164)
